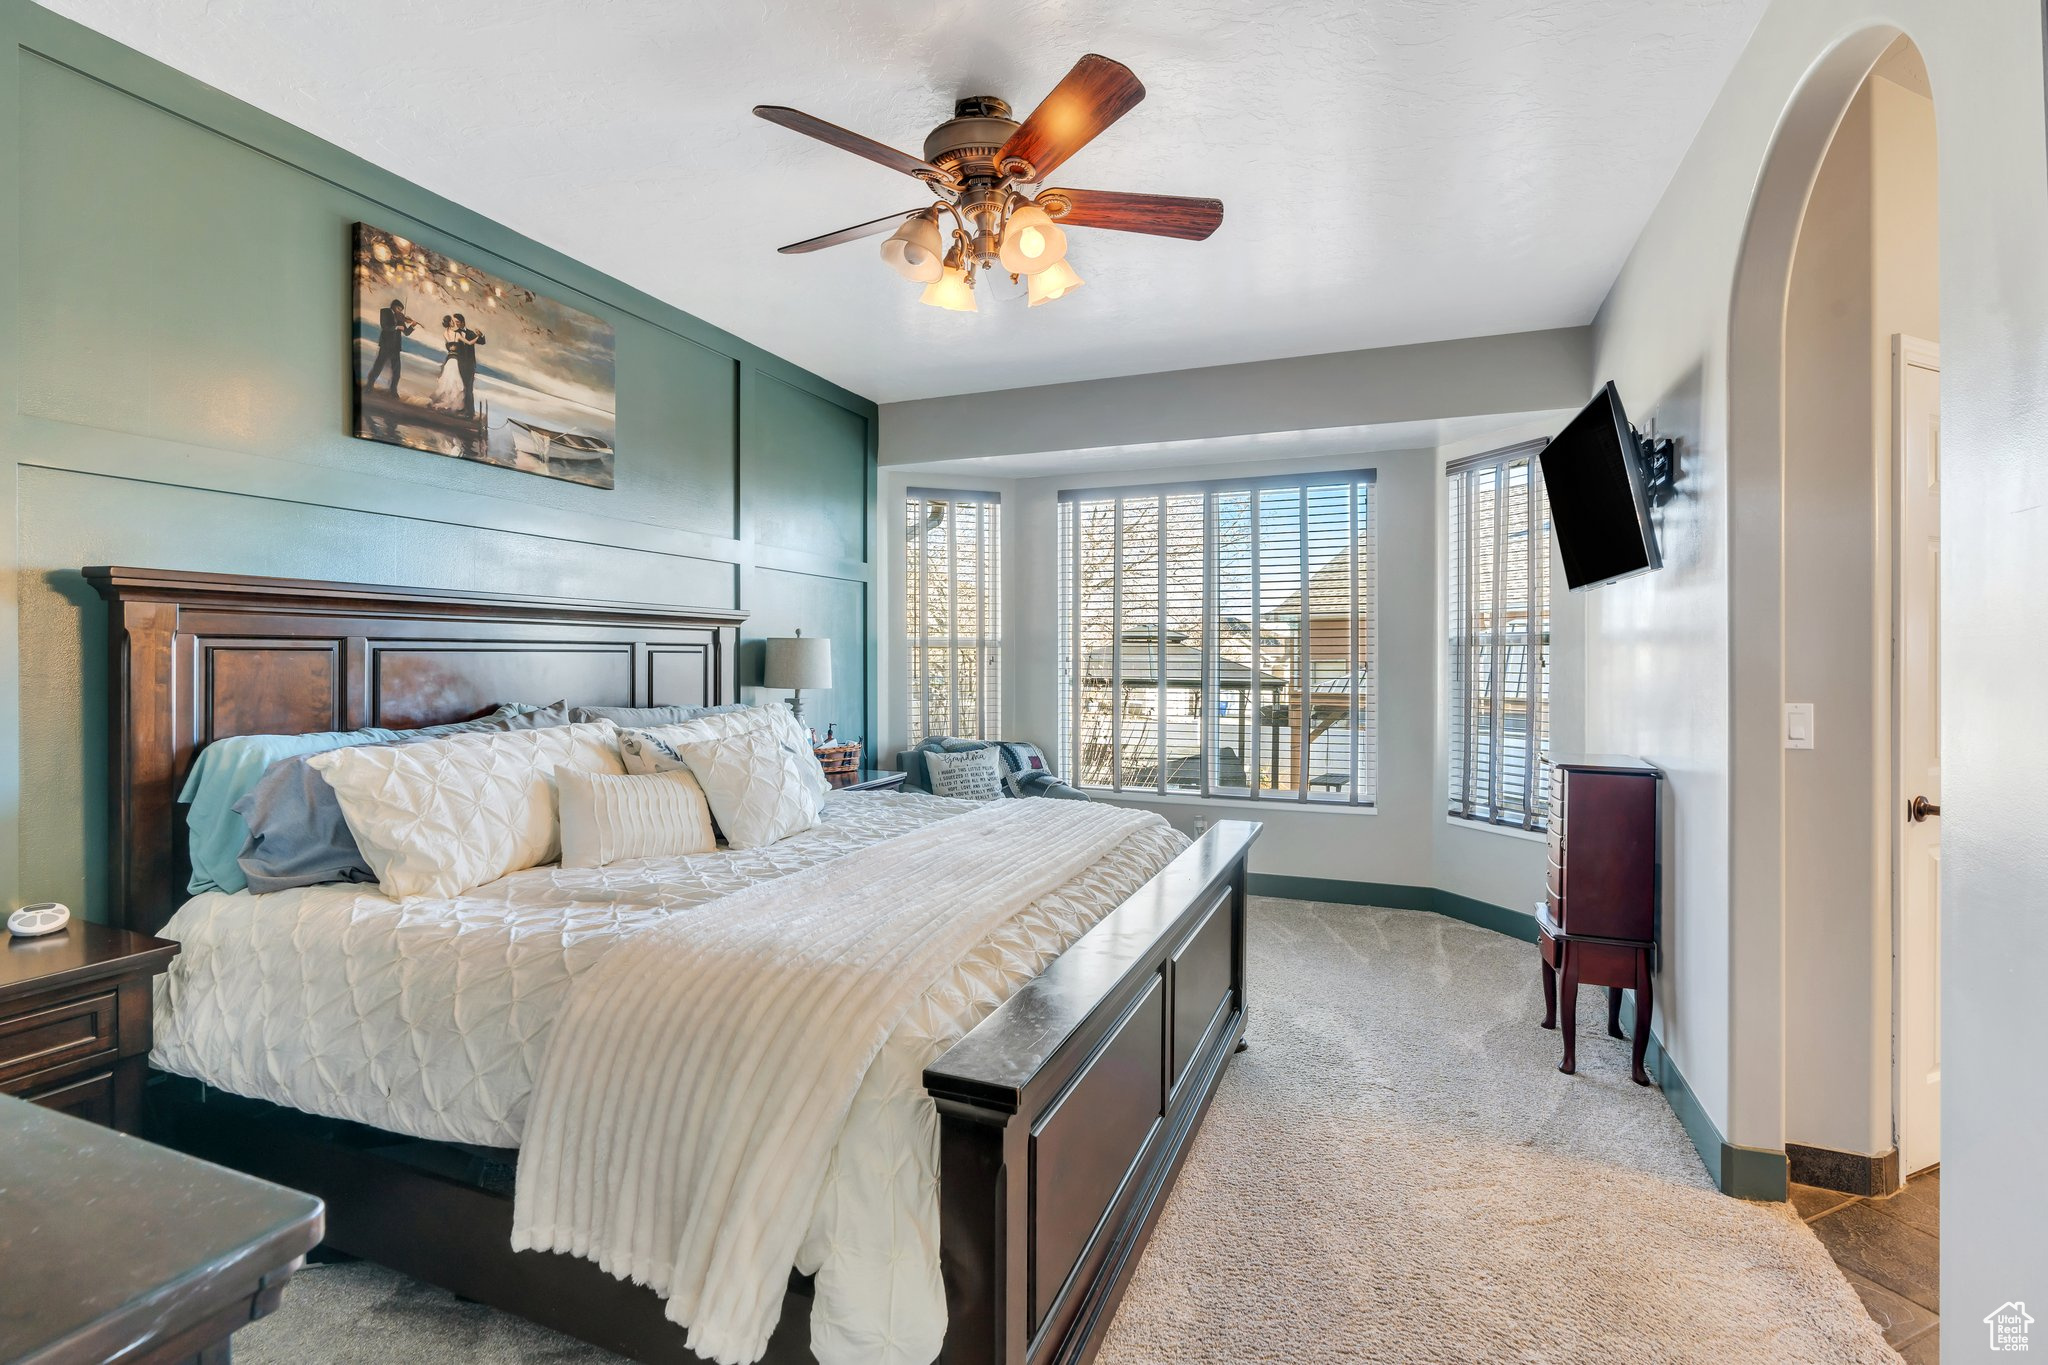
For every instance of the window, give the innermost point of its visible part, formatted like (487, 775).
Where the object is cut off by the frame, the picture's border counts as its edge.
(1498, 611)
(953, 612)
(1216, 638)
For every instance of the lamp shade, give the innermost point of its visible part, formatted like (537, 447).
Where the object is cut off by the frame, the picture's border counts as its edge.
(951, 291)
(915, 252)
(1031, 242)
(798, 663)
(1055, 281)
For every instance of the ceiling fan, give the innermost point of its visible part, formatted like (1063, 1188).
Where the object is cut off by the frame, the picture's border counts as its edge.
(976, 165)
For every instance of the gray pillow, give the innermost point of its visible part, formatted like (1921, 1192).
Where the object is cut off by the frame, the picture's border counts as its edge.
(297, 835)
(644, 717)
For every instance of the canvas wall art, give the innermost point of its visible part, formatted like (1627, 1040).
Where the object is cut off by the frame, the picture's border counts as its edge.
(456, 361)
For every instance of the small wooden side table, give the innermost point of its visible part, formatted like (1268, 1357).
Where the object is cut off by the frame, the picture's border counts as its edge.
(865, 780)
(112, 1248)
(1581, 959)
(75, 1019)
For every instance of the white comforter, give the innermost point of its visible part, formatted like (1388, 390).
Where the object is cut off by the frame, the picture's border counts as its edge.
(699, 1080)
(432, 1018)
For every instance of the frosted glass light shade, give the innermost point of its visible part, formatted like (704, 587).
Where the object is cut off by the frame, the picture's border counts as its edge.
(1032, 242)
(798, 663)
(914, 251)
(950, 291)
(1055, 281)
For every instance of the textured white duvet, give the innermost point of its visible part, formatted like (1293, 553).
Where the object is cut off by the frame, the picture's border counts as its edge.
(432, 1017)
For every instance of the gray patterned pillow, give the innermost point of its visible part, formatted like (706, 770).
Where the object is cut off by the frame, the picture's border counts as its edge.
(968, 774)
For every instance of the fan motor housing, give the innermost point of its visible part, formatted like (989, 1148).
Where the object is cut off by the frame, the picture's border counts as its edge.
(966, 144)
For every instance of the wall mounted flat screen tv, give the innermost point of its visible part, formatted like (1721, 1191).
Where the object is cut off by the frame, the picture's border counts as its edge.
(1599, 504)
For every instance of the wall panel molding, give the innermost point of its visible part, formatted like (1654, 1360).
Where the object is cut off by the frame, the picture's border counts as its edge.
(178, 261)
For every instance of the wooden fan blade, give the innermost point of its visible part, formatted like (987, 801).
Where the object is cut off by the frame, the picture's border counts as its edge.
(796, 120)
(1095, 94)
(847, 234)
(1157, 215)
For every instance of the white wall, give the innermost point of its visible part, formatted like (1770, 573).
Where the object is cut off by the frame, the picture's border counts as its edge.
(1661, 666)
(1478, 376)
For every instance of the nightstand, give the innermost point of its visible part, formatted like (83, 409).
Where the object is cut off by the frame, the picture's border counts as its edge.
(865, 780)
(74, 1019)
(117, 1249)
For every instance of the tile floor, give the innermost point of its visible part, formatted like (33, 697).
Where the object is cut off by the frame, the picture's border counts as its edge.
(1891, 1251)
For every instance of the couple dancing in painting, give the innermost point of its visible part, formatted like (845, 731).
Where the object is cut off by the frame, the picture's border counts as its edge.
(455, 390)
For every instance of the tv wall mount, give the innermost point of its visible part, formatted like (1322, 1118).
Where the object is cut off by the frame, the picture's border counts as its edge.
(1659, 456)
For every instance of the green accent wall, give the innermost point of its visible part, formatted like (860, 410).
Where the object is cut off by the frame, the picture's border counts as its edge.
(174, 329)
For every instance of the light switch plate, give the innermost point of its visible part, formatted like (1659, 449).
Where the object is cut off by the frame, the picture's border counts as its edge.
(1799, 725)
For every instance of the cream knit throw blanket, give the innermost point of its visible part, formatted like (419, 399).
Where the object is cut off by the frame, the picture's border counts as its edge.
(696, 1084)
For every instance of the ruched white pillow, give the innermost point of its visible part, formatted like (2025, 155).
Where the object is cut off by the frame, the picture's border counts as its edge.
(758, 782)
(440, 818)
(609, 819)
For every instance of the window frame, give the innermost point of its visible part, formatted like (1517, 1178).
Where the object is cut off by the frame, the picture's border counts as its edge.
(1361, 793)
(1461, 804)
(987, 718)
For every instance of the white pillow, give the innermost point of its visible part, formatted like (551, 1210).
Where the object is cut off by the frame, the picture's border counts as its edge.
(654, 750)
(439, 818)
(756, 784)
(799, 739)
(609, 819)
(968, 774)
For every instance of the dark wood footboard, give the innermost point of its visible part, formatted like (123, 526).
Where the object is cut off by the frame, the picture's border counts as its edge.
(1064, 1116)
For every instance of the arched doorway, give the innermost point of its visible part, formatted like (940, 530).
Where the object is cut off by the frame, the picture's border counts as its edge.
(1837, 265)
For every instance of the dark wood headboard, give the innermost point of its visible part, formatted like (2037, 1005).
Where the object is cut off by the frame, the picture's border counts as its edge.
(197, 657)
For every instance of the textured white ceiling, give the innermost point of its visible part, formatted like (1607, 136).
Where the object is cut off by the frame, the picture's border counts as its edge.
(1393, 170)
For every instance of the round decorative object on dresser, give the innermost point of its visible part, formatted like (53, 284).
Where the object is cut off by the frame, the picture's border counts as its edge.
(31, 921)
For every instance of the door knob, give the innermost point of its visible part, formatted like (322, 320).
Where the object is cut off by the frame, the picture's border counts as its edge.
(1920, 808)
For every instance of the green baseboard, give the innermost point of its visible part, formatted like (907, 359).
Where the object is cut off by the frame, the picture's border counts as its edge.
(1391, 896)
(1744, 1172)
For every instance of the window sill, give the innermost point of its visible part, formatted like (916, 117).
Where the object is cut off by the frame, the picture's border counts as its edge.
(1539, 836)
(1229, 803)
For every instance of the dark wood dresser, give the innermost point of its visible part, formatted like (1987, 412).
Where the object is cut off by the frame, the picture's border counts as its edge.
(75, 1017)
(112, 1249)
(1597, 924)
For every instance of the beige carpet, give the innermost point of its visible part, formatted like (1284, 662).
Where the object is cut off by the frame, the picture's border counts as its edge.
(1395, 1172)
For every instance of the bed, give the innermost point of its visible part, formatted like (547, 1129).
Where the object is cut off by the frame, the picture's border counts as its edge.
(1062, 1112)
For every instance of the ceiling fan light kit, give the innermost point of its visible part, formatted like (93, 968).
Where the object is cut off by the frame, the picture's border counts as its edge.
(915, 251)
(1054, 282)
(974, 165)
(953, 290)
(1031, 241)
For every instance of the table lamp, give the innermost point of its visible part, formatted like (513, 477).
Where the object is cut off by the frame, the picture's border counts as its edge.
(797, 662)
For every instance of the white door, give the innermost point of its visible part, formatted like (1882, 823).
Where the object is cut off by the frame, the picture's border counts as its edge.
(1916, 682)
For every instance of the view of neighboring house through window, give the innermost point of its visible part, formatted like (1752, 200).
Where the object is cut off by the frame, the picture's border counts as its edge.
(953, 612)
(1498, 610)
(1216, 638)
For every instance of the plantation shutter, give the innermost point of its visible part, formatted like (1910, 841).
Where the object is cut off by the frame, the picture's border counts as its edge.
(953, 612)
(1497, 594)
(1217, 638)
